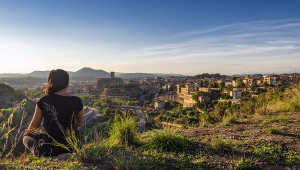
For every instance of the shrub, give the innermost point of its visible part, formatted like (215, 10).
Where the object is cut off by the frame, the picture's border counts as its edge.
(219, 144)
(167, 140)
(121, 161)
(124, 133)
(246, 165)
(229, 120)
(273, 131)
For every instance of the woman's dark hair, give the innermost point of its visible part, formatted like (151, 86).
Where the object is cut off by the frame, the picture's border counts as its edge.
(57, 80)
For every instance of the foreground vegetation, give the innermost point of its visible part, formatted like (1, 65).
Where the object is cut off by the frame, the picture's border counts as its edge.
(262, 134)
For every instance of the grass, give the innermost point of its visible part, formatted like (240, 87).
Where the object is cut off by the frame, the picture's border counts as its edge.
(167, 141)
(124, 133)
(281, 119)
(218, 144)
(208, 147)
(274, 153)
(272, 130)
(123, 161)
(245, 164)
(229, 120)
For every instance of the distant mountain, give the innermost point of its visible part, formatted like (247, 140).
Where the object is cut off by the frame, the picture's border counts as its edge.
(39, 74)
(143, 75)
(84, 74)
(10, 75)
(91, 72)
(23, 80)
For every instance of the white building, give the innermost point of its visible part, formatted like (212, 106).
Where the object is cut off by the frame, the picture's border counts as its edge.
(236, 94)
(159, 105)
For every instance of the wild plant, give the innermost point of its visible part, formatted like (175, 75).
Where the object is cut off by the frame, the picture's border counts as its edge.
(124, 132)
(11, 135)
(167, 140)
(122, 161)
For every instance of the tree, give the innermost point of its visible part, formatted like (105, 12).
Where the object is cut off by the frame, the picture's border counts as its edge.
(135, 118)
(163, 112)
(130, 113)
(118, 118)
(215, 85)
(222, 84)
(118, 112)
(195, 97)
(240, 83)
(266, 84)
(167, 105)
(107, 111)
(161, 91)
(205, 83)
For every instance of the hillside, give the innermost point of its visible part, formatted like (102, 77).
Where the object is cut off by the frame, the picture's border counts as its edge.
(23, 80)
(86, 71)
(143, 75)
(84, 74)
(8, 96)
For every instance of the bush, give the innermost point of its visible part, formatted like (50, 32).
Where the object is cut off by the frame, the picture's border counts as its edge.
(219, 144)
(229, 120)
(124, 133)
(273, 131)
(167, 140)
(246, 165)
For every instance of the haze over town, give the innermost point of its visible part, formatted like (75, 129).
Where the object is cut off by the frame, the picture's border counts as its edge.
(235, 37)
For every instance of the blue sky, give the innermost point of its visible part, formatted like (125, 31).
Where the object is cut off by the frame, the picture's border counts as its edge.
(158, 36)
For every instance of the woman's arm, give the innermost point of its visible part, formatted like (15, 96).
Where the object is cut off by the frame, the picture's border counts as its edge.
(79, 118)
(36, 121)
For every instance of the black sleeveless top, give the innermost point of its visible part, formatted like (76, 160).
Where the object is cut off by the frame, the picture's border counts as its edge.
(60, 115)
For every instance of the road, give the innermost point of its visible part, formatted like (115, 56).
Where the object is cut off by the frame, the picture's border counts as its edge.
(142, 120)
(89, 116)
(143, 98)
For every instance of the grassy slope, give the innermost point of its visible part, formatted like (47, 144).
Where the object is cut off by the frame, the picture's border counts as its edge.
(213, 147)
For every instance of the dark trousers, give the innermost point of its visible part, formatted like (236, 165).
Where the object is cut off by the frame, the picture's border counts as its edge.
(37, 145)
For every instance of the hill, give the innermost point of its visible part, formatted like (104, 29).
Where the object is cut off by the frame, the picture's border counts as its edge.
(23, 80)
(143, 75)
(84, 74)
(8, 96)
(86, 71)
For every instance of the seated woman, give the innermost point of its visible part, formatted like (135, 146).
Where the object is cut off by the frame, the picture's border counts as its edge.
(62, 113)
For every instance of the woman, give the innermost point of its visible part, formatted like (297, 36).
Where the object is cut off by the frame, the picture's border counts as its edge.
(62, 113)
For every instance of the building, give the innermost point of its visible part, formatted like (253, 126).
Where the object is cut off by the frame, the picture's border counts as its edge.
(159, 105)
(236, 94)
(108, 81)
(204, 98)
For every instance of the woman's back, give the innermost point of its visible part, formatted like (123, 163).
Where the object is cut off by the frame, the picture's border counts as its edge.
(59, 113)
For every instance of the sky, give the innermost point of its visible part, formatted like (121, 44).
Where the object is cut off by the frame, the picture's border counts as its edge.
(156, 36)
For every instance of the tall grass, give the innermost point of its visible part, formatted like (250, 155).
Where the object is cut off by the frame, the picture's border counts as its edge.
(124, 133)
(288, 101)
(122, 161)
(167, 140)
(11, 135)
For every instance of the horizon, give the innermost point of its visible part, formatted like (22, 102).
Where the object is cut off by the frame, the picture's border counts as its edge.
(160, 73)
(164, 37)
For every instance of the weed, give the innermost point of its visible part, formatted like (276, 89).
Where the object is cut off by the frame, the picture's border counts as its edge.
(123, 161)
(229, 120)
(272, 130)
(167, 140)
(124, 133)
(219, 144)
(246, 165)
